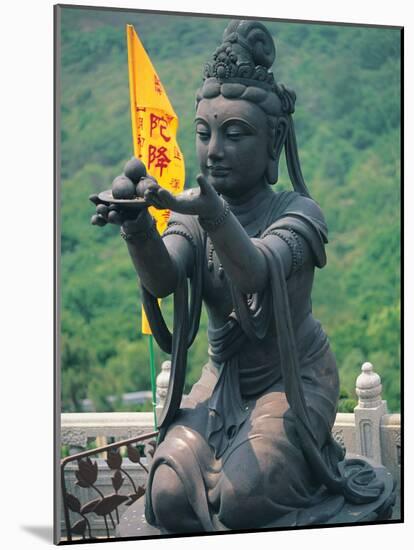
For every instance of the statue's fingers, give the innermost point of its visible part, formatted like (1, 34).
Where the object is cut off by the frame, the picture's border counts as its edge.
(115, 217)
(121, 210)
(148, 194)
(166, 198)
(152, 198)
(102, 209)
(205, 187)
(101, 220)
(97, 219)
(184, 203)
(188, 198)
(118, 213)
(146, 184)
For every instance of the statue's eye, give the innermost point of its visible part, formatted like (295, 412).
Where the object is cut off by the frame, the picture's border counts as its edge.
(235, 132)
(234, 135)
(202, 133)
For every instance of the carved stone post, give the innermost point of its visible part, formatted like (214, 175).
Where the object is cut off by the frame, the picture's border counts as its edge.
(368, 413)
(162, 386)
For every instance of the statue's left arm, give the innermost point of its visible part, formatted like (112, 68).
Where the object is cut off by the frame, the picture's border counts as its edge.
(298, 236)
(243, 262)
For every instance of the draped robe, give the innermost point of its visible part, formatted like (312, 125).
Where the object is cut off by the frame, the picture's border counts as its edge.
(252, 441)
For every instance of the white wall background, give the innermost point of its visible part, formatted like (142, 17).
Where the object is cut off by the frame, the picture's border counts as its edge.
(27, 269)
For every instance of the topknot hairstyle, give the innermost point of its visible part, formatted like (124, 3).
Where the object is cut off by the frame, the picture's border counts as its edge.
(240, 69)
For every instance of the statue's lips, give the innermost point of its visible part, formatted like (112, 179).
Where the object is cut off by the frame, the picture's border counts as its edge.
(219, 171)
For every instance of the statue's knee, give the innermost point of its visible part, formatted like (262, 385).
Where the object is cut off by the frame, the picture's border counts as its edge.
(238, 503)
(169, 501)
(167, 489)
(238, 494)
(252, 474)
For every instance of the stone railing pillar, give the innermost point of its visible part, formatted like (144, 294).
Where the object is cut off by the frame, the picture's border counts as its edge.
(162, 386)
(368, 413)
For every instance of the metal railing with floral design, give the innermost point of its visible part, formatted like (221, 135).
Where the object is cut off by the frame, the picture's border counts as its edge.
(138, 450)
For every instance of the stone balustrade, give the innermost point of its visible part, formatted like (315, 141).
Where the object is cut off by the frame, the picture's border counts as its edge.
(79, 429)
(369, 431)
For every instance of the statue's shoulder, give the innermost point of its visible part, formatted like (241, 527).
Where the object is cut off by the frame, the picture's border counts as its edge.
(303, 215)
(291, 202)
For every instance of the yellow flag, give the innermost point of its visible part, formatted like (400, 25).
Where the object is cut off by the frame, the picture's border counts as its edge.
(154, 129)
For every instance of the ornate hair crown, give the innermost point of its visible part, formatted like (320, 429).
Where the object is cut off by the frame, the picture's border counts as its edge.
(245, 55)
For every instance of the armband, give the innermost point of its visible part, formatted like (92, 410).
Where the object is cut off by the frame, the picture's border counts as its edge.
(294, 244)
(175, 228)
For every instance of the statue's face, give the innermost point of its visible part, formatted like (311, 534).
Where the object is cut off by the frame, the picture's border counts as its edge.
(231, 140)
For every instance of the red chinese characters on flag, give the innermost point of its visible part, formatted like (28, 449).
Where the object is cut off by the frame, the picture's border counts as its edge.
(175, 184)
(159, 123)
(140, 142)
(157, 85)
(157, 159)
(177, 154)
(161, 153)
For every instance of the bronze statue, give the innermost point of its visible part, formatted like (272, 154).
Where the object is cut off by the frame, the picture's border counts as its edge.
(251, 444)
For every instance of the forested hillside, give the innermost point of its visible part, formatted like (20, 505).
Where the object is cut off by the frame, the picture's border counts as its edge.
(347, 81)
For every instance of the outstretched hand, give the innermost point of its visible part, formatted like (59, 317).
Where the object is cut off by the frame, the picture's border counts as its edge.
(111, 213)
(119, 214)
(204, 201)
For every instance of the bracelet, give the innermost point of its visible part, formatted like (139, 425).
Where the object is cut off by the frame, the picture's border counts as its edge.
(212, 225)
(142, 235)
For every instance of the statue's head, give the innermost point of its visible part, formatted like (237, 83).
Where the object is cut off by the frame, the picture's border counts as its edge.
(243, 116)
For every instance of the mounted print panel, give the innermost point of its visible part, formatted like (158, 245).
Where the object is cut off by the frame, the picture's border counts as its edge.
(228, 274)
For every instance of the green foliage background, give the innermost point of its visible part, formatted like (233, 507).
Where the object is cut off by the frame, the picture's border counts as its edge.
(347, 81)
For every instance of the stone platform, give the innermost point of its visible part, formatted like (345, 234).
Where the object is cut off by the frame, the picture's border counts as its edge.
(134, 524)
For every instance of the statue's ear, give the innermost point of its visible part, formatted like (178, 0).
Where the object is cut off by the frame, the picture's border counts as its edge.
(275, 149)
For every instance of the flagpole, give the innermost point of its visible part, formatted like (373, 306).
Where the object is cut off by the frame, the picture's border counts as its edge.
(153, 380)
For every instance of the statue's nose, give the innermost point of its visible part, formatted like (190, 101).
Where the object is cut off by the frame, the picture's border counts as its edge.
(215, 148)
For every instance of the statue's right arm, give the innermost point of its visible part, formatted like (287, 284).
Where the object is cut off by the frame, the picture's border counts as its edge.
(157, 261)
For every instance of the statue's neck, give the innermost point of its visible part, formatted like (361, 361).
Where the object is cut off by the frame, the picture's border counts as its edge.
(249, 201)
(251, 209)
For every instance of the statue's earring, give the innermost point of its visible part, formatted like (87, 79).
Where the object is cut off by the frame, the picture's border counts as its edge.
(272, 170)
(277, 143)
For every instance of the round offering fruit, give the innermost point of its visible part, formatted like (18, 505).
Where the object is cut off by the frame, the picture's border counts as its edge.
(135, 169)
(123, 188)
